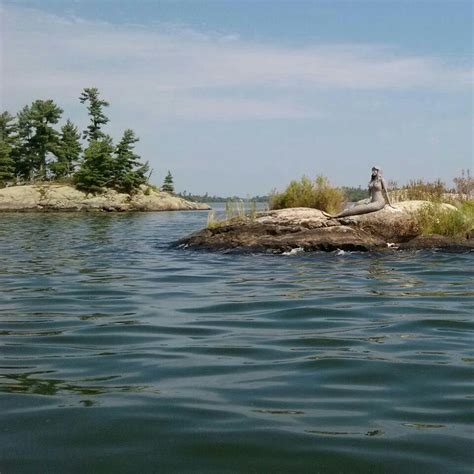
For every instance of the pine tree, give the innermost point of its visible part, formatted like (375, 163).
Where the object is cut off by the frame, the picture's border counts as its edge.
(7, 127)
(96, 113)
(96, 171)
(129, 173)
(24, 155)
(7, 166)
(37, 136)
(7, 141)
(67, 151)
(168, 184)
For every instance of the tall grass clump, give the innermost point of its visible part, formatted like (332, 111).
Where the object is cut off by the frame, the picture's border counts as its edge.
(318, 194)
(436, 191)
(433, 218)
(234, 210)
(240, 209)
(422, 190)
(212, 222)
(464, 185)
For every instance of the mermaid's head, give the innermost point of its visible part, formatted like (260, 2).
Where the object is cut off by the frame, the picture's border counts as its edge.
(376, 171)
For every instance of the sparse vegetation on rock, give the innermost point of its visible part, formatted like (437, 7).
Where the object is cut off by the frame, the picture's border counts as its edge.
(434, 218)
(279, 231)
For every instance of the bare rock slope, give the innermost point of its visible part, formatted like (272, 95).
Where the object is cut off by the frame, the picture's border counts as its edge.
(57, 197)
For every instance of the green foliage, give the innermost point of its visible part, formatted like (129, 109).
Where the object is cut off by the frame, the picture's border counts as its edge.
(7, 141)
(7, 166)
(168, 184)
(306, 193)
(67, 152)
(128, 172)
(37, 137)
(97, 168)
(7, 127)
(433, 218)
(90, 95)
(28, 146)
(105, 165)
(213, 198)
(355, 194)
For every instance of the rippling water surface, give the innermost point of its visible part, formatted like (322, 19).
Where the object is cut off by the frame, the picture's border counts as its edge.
(119, 354)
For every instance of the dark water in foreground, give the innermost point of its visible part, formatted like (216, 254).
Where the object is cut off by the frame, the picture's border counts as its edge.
(118, 354)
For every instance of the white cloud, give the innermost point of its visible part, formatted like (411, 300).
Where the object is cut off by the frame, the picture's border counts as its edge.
(179, 73)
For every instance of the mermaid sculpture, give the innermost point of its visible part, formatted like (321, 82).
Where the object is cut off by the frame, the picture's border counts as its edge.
(377, 188)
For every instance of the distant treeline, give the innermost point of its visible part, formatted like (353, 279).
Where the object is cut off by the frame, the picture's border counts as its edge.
(355, 194)
(33, 149)
(351, 194)
(212, 198)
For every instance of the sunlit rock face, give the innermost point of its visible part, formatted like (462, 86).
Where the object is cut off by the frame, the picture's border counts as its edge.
(56, 197)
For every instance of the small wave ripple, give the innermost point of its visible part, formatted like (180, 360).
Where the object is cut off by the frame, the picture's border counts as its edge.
(120, 355)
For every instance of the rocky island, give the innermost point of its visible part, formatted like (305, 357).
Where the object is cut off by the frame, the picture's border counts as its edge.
(43, 168)
(307, 229)
(60, 197)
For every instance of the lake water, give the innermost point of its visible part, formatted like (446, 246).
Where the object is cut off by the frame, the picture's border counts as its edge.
(119, 354)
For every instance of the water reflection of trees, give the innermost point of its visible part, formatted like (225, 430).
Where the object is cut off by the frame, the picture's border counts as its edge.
(31, 383)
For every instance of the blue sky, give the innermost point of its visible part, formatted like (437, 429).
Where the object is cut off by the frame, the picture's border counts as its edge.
(239, 97)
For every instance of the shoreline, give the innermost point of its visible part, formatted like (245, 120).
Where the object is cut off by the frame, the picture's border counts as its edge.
(55, 197)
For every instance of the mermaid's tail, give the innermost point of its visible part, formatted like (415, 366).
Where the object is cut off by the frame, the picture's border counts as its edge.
(361, 209)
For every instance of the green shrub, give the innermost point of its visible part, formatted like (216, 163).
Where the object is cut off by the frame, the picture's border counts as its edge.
(433, 218)
(306, 193)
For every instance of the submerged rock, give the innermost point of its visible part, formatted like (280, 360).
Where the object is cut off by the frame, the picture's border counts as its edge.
(283, 230)
(58, 197)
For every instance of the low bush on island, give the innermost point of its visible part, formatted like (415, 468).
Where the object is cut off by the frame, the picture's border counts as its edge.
(433, 218)
(318, 194)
